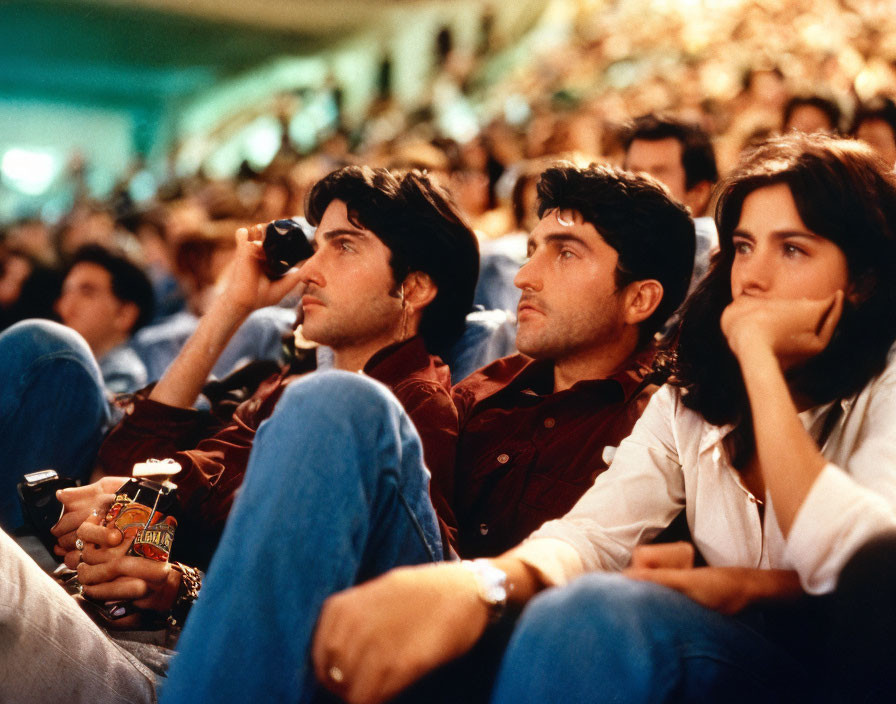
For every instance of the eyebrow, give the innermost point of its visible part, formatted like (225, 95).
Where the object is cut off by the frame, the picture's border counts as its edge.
(559, 237)
(335, 233)
(779, 235)
(343, 232)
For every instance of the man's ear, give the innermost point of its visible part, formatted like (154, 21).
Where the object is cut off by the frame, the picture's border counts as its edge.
(697, 198)
(642, 299)
(419, 290)
(126, 317)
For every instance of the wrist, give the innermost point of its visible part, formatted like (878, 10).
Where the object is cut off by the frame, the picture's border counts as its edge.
(189, 582)
(492, 586)
(752, 351)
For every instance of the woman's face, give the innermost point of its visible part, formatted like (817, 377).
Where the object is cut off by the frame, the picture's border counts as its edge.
(777, 256)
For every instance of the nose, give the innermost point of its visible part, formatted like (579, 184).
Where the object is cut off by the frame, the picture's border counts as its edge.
(310, 271)
(63, 307)
(751, 275)
(528, 277)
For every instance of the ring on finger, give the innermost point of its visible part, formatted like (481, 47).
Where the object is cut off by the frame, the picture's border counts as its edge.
(79, 545)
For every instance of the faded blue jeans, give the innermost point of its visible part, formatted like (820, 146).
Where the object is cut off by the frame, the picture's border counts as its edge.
(53, 409)
(606, 638)
(335, 493)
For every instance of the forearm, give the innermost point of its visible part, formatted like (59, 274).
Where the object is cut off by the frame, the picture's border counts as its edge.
(789, 459)
(766, 585)
(182, 382)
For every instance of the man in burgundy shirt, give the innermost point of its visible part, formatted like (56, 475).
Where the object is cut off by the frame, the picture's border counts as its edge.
(389, 285)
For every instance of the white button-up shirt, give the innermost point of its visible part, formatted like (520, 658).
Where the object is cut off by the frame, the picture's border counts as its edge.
(675, 460)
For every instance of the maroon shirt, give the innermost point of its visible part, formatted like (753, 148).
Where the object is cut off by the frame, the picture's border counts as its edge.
(214, 455)
(526, 454)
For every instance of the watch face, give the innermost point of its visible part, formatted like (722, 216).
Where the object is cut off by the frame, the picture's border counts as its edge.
(496, 594)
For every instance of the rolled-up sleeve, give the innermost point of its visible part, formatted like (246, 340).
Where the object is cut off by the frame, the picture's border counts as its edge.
(854, 497)
(837, 517)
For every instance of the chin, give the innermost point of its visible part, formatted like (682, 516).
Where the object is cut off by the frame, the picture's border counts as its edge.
(531, 348)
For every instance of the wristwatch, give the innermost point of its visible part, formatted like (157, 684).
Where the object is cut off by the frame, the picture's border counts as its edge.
(492, 585)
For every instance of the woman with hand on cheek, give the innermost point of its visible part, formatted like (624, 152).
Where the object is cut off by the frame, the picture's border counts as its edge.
(777, 439)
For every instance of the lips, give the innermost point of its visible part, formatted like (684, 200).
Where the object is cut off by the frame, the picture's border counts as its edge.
(308, 301)
(528, 306)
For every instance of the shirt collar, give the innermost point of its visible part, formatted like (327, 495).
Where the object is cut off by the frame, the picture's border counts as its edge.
(536, 378)
(393, 364)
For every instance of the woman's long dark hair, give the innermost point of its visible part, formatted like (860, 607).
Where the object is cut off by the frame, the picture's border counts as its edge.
(843, 193)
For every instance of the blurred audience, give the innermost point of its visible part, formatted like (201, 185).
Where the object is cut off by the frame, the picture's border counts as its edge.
(106, 298)
(875, 123)
(680, 156)
(811, 113)
(701, 107)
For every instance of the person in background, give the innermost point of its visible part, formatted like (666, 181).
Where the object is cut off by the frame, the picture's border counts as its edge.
(875, 123)
(106, 298)
(679, 155)
(811, 113)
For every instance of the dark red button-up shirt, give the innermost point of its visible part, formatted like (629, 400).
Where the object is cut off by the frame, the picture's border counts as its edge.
(525, 454)
(214, 455)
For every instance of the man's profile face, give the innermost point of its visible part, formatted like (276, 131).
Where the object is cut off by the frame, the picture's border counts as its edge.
(88, 305)
(350, 295)
(569, 302)
(661, 159)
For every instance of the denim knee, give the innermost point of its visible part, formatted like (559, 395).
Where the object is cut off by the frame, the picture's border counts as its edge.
(608, 638)
(325, 411)
(600, 634)
(34, 339)
(337, 395)
(594, 607)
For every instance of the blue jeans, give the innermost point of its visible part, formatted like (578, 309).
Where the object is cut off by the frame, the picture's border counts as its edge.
(335, 493)
(605, 638)
(53, 409)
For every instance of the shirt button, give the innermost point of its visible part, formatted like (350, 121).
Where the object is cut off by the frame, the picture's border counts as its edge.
(503, 458)
(483, 528)
(549, 422)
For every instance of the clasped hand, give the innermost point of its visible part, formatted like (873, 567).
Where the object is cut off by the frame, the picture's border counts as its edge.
(105, 570)
(727, 590)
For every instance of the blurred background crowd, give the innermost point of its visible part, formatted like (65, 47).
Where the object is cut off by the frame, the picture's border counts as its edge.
(478, 94)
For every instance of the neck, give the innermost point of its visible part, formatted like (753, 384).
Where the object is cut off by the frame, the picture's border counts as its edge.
(597, 362)
(101, 349)
(353, 359)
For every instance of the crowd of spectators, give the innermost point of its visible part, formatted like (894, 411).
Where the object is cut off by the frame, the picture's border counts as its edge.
(183, 237)
(775, 74)
(135, 278)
